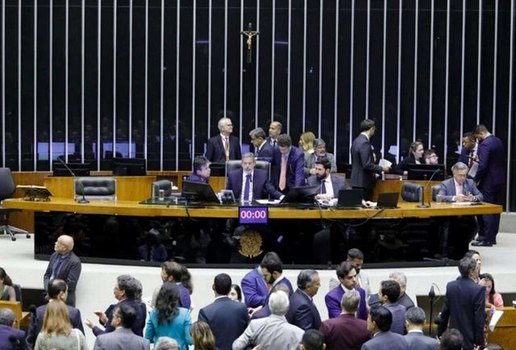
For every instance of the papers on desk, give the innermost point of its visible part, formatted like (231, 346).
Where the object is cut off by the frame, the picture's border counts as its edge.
(462, 203)
(384, 163)
(497, 314)
(473, 170)
(268, 202)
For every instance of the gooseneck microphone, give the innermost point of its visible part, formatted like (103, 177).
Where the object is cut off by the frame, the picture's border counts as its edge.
(83, 199)
(423, 204)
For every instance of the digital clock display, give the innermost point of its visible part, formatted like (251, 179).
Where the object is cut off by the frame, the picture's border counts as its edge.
(253, 215)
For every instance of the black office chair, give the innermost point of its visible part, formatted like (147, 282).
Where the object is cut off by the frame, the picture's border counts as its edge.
(411, 192)
(7, 188)
(95, 188)
(165, 185)
(237, 164)
(435, 191)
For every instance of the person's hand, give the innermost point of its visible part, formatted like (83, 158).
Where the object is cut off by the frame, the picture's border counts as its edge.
(386, 168)
(89, 323)
(102, 316)
(257, 347)
(252, 311)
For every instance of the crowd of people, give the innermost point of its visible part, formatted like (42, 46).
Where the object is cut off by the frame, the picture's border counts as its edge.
(265, 311)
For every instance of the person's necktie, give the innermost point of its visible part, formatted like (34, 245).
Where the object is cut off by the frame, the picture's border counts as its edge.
(57, 266)
(247, 187)
(273, 143)
(283, 173)
(226, 147)
(323, 187)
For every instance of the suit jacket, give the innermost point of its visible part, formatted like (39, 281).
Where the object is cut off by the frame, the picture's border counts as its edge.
(227, 319)
(264, 152)
(447, 189)
(70, 272)
(491, 164)
(37, 322)
(121, 339)
(465, 155)
(363, 168)
(405, 164)
(344, 332)
(295, 166)
(419, 341)
(254, 288)
(19, 335)
(273, 332)
(337, 182)
(302, 311)
(138, 325)
(261, 185)
(386, 340)
(311, 158)
(333, 298)
(215, 149)
(398, 317)
(265, 311)
(464, 309)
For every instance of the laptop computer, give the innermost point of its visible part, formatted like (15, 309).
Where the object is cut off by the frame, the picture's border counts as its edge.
(387, 200)
(350, 199)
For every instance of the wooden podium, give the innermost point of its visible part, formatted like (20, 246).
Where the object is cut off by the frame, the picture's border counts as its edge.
(504, 333)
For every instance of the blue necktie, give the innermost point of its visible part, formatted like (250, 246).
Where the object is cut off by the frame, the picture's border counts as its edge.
(247, 187)
(323, 187)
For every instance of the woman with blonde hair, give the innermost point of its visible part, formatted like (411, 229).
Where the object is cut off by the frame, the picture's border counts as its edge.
(202, 336)
(56, 332)
(306, 142)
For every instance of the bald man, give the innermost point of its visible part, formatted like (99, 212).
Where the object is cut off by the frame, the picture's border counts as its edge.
(65, 265)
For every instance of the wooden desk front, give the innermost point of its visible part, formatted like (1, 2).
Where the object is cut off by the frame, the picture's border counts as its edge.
(505, 331)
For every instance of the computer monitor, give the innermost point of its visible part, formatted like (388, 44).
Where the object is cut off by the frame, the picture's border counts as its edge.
(199, 192)
(129, 167)
(58, 149)
(122, 148)
(301, 195)
(435, 172)
(71, 169)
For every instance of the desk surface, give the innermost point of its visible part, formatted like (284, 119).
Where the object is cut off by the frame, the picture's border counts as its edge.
(133, 208)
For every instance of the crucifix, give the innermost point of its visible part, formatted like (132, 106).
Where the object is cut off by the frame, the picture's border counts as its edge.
(249, 33)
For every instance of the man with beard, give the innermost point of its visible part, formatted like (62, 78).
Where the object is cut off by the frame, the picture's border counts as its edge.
(331, 184)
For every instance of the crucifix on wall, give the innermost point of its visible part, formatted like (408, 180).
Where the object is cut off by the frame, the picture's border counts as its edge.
(250, 34)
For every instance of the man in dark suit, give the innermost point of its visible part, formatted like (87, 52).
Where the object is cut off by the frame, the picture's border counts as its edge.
(201, 170)
(275, 128)
(464, 306)
(287, 165)
(57, 290)
(224, 146)
(363, 168)
(347, 275)
(248, 183)
(262, 149)
(128, 291)
(389, 294)
(459, 189)
(331, 184)
(490, 177)
(346, 331)
(65, 265)
(468, 153)
(122, 338)
(10, 338)
(227, 318)
(302, 311)
(416, 317)
(378, 323)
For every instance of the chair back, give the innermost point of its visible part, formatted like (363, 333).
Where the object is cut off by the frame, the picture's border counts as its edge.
(237, 164)
(17, 290)
(435, 191)
(165, 185)
(7, 186)
(96, 188)
(411, 192)
(16, 308)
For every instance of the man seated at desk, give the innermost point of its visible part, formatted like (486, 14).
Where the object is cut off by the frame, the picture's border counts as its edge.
(201, 170)
(331, 184)
(459, 189)
(248, 183)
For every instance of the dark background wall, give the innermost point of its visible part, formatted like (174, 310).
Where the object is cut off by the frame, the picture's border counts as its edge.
(157, 75)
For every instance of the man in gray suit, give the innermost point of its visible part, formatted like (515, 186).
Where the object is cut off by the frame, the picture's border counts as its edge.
(122, 338)
(319, 153)
(331, 184)
(415, 319)
(459, 188)
(273, 332)
(379, 323)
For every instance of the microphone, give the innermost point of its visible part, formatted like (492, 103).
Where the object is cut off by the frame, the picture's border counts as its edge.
(423, 204)
(431, 293)
(82, 200)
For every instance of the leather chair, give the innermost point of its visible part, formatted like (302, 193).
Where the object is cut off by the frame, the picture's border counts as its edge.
(165, 185)
(411, 192)
(95, 188)
(435, 191)
(7, 189)
(237, 164)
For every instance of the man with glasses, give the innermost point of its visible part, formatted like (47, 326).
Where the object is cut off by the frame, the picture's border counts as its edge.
(223, 147)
